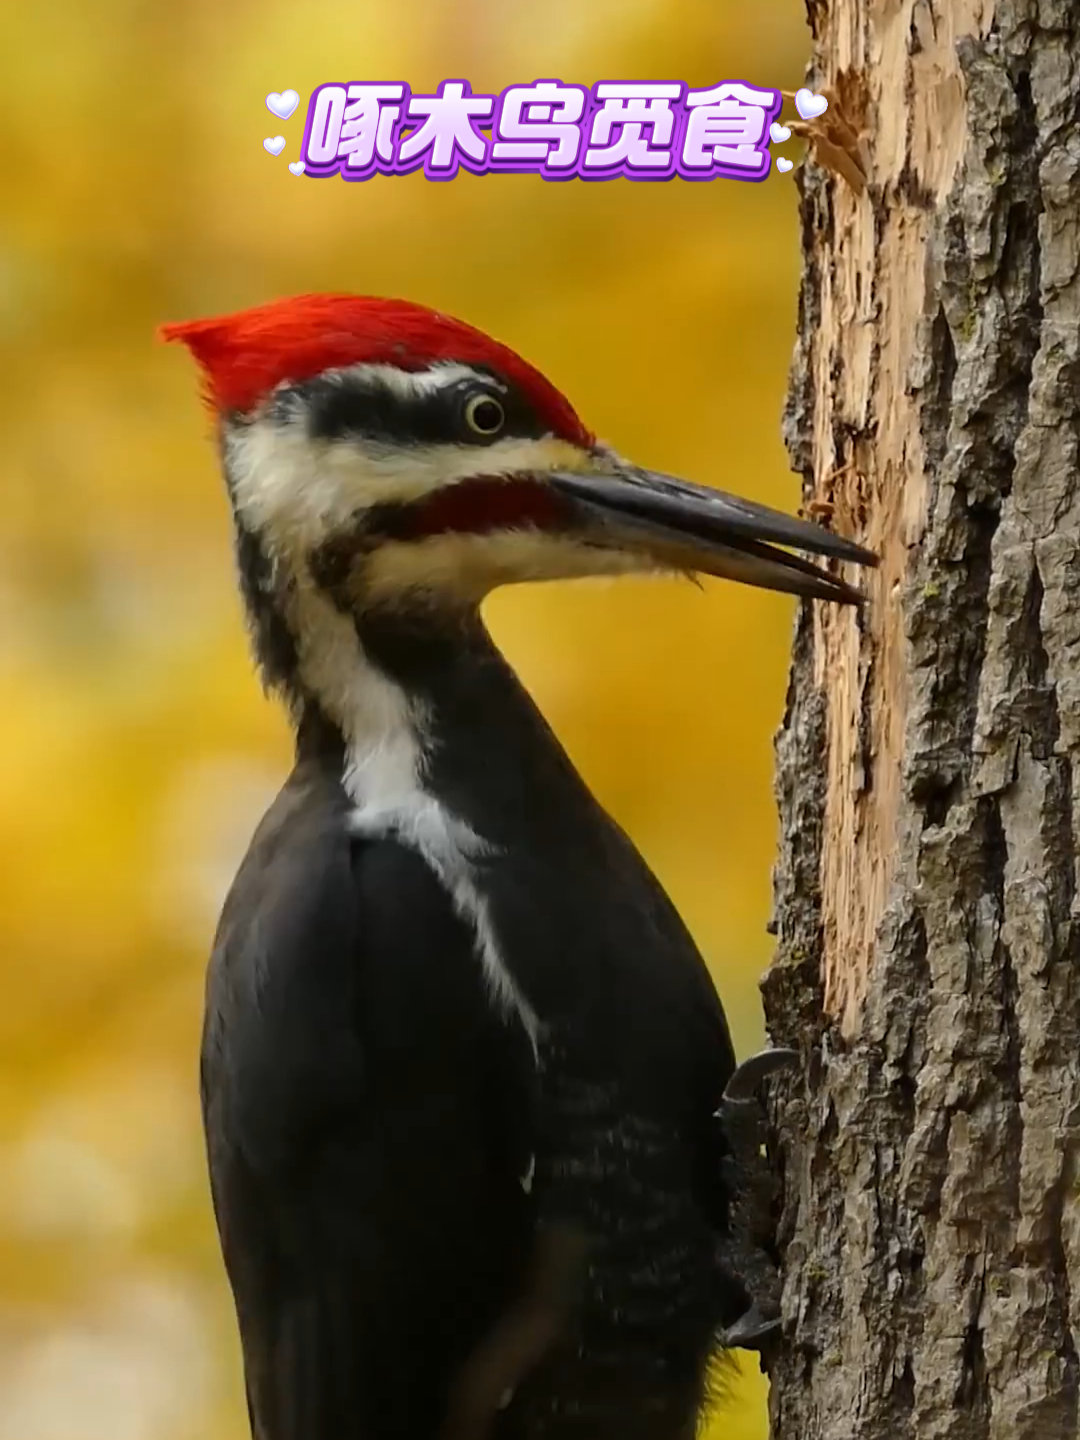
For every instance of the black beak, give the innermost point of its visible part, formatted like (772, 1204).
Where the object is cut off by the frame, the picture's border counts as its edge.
(694, 529)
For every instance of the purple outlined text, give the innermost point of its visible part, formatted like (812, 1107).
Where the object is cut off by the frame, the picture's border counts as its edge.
(640, 130)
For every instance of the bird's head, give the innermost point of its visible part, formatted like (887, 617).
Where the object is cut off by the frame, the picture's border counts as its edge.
(393, 452)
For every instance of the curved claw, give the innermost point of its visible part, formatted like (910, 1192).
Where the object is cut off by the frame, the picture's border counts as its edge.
(747, 1077)
(751, 1329)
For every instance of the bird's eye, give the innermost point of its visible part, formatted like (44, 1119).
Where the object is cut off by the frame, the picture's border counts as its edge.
(484, 415)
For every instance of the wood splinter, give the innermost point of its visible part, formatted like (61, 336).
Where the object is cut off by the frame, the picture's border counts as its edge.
(834, 144)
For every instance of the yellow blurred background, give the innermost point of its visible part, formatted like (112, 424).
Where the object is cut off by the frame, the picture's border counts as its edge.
(136, 751)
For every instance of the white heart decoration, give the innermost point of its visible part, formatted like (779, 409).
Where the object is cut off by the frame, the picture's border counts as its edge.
(783, 165)
(276, 145)
(809, 105)
(297, 167)
(779, 133)
(282, 105)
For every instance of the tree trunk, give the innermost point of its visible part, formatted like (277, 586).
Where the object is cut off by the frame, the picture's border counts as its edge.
(928, 959)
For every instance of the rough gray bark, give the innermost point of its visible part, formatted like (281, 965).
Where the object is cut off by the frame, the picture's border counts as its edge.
(928, 959)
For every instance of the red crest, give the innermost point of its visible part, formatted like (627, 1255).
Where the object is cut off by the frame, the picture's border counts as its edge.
(244, 356)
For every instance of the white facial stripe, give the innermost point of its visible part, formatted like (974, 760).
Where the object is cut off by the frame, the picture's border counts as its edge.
(382, 728)
(296, 492)
(385, 734)
(413, 384)
(467, 567)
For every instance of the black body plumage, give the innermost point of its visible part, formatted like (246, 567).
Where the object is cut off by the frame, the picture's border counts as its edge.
(384, 1144)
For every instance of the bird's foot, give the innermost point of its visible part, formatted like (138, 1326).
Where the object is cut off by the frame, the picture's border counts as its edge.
(746, 1079)
(745, 1259)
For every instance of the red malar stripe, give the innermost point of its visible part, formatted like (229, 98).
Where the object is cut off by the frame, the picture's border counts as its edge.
(478, 507)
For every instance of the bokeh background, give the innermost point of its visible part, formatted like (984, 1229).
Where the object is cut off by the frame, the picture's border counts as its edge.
(136, 751)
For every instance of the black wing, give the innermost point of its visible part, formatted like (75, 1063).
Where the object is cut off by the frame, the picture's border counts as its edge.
(368, 1123)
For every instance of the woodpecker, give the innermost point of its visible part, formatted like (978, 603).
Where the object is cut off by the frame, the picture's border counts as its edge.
(462, 1062)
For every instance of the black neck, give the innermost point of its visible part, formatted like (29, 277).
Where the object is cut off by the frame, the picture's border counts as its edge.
(492, 759)
(318, 738)
(586, 924)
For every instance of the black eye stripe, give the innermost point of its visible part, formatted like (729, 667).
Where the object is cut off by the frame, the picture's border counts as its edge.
(340, 408)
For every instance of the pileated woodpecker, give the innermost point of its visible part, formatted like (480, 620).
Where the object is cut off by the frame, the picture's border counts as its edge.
(462, 1062)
